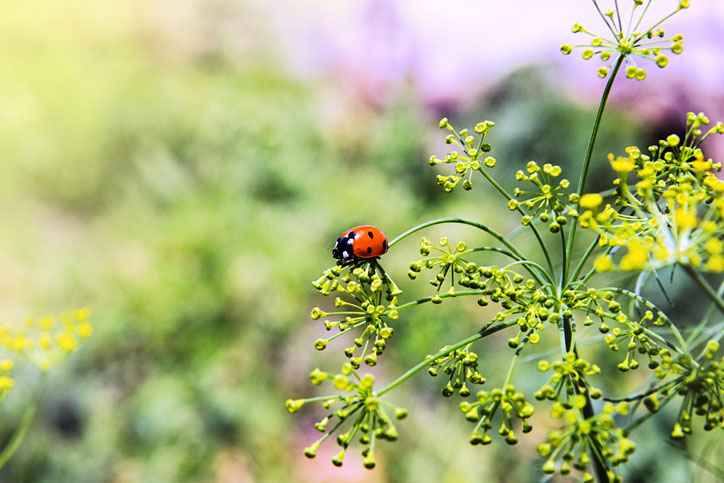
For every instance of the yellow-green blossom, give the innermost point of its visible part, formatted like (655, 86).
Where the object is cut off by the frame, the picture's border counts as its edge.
(47, 341)
(627, 41)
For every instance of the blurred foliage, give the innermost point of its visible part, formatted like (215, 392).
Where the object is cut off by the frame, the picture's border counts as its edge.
(190, 199)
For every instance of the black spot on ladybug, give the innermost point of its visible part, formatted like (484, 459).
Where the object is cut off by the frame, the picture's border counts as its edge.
(370, 234)
(384, 245)
(369, 250)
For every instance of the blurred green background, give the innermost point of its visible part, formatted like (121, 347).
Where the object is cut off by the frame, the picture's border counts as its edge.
(189, 193)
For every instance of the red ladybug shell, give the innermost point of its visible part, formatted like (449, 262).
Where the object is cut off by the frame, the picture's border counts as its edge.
(362, 241)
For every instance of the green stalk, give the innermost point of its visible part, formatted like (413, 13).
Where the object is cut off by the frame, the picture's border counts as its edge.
(537, 234)
(713, 295)
(485, 331)
(463, 293)
(475, 224)
(25, 421)
(564, 263)
(584, 259)
(589, 152)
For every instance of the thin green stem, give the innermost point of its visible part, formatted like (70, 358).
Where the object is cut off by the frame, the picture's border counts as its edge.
(591, 144)
(651, 391)
(543, 246)
(443, 296)
(705, 319)
(25, 421)
(533, 264)
(584, 259)
(713, 295)
(513, 361)
(475, 224)
(564, 260)
(485, 331)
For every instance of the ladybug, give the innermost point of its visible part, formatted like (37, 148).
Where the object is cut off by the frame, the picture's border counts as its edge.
(363, 241)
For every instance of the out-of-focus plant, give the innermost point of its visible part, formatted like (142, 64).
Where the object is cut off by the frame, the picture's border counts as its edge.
(671, 216)
(43, 343)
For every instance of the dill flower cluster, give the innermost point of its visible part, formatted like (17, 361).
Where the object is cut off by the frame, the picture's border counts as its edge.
(368, 413)
(547, 201)
(47, 341)
(579, 436)
(628, 40)
(368, 299)
(470, 159)
(673, 214)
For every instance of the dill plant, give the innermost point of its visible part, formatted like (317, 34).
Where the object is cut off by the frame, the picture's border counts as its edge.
(44, 343)
(665, 210)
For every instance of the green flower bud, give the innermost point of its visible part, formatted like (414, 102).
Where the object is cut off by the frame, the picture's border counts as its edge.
(476, 438)
(337, 460)
(293, 405)
(311, 451)
(677, 433)
(317, 376)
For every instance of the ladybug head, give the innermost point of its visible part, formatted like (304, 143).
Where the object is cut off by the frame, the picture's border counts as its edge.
(343, 248)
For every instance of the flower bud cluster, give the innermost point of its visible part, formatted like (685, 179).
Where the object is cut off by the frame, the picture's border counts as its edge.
(548, 200)
(450, 263)
(700, 384)
(572, 444)
(511, 404)
(677, 206)
(473, 155)
(629, 42)
(6, 382)
(46, 342)
(460, 366)
(364, 306)
(636, 336)
(568, 383)
(357, 278)
(359, 405)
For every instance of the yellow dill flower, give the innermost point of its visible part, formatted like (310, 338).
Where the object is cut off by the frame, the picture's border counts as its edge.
(622, 165)
(591, 201)
(20, 343)
(708, 227)
(603, 264)
(6, 384)
(47, 322)
(715, 264)
(6, 365)
(713, 246)
(699, 165)
(81, 314)
(67, 342)
(685, 218)
(714, 183)
(84, 330)
(637, 257)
